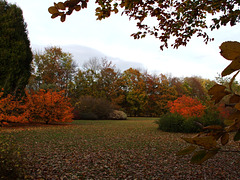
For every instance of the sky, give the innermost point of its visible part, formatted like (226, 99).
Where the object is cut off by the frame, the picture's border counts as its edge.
(111, 38)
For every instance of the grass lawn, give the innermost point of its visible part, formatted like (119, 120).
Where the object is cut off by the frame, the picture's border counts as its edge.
(128, 149)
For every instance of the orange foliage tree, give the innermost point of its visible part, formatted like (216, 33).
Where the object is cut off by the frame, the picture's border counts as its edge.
(11, 110)
(48, 107)
(187, 107)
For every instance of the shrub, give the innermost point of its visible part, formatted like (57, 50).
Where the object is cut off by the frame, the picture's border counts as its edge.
(93, 107)
(117, 115)
(48, 107)
(212, 117)
(190, 125)
(88, 116)
(171, 122)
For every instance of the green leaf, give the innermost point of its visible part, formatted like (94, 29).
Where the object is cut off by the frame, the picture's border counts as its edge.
(237, 136)
(186, 151)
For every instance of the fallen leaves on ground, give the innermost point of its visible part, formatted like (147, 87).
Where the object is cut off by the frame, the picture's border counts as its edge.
(132, 149)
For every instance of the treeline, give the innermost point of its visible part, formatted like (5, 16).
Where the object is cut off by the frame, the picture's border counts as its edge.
(134, 91)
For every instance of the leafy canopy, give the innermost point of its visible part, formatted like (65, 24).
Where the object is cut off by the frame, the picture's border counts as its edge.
(177, 19)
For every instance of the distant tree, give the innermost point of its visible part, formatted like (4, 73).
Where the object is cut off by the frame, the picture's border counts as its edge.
(135, 91)
(15, 51)
(178, 20)
(195, 88)
(97, 78)
(52, 69)
(159, 93)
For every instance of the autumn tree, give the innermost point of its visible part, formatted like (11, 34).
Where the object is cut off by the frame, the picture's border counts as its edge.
(175, 20)
(159, 93)
(97, 78)
(15, 51)
(52, 69)
(195, 88)
(134, 90)
(48, 107)
(12, 110)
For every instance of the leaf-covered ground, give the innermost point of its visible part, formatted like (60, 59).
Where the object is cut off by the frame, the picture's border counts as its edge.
(132, 149)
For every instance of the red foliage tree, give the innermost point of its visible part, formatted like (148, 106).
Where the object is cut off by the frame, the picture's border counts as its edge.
(48, 107)
(187, 107)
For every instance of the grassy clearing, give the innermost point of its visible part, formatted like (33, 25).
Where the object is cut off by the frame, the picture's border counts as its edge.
(129, 149)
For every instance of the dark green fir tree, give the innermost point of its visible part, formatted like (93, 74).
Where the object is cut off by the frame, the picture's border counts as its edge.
(15, 51)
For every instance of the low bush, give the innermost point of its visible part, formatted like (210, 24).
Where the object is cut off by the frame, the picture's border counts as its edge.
(88, 116)
(212, 117)
(171, 122)
(117, 115)
(190, 125)
(90, 107)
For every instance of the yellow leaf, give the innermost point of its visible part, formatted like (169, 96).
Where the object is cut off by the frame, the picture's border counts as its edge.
(216, 89)
(77, 8)
(207, 142)
(233, 66)
(61, 6)
(198, 156)
(237, 106)
(54, 15)
(201, 156)
(214, 127)
(230, 49)
(225, 139)
(235, 126)
(234, 99)
(218, 92)
(63, 17)
(186, 151)
(53, 10)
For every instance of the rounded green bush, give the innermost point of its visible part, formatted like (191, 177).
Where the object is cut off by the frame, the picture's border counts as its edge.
(212, 118)
(171, 122)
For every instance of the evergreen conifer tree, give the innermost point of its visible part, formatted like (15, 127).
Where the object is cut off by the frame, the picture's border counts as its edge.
(15, 51)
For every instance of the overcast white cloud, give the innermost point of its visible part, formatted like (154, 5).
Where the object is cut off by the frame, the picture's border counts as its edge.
(111, 38)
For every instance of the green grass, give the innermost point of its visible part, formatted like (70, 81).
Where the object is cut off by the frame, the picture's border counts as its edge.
(126, 149)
